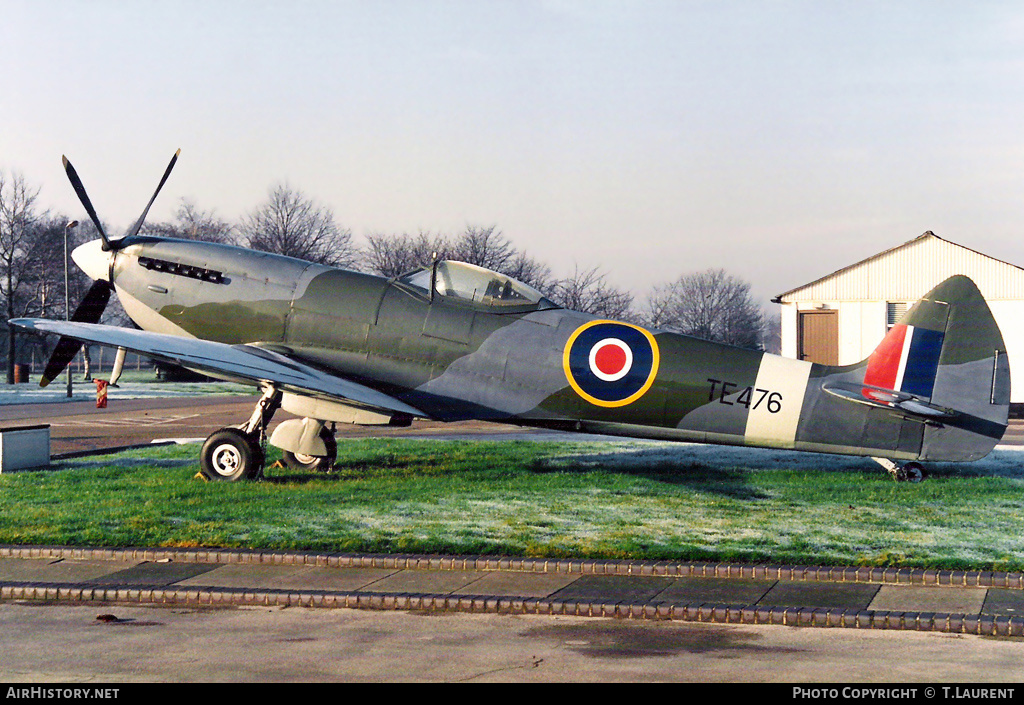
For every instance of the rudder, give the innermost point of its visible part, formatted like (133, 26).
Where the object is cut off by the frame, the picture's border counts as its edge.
(971, 375)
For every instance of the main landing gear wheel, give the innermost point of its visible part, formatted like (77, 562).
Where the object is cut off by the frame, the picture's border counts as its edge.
(314, 463)
(236, 453)
(230, 454)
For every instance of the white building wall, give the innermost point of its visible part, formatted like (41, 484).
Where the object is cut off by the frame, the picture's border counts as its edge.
(861, 328)
(1009, 317)
(788, 330)
(860, 294)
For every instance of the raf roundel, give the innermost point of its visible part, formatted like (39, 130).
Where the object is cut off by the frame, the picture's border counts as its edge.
(610, 364)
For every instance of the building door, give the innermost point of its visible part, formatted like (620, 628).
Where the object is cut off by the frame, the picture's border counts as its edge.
(819, 337)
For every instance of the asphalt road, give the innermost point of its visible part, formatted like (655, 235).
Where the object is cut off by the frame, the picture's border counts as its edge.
(77, 426)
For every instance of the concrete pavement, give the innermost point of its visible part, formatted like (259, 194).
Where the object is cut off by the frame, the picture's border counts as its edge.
(959, 602)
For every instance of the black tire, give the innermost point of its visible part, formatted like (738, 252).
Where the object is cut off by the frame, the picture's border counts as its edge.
(914, 472)
(230, 455)
(314, 463)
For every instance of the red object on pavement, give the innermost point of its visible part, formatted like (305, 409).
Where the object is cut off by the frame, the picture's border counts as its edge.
(101, 393)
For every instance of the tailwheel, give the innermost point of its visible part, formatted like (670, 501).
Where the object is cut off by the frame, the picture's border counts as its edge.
(908, 472)
(913, 472)
(231, 454)
(314, 463)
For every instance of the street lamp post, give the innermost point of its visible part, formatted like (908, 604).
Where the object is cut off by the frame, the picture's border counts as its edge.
(67, 296)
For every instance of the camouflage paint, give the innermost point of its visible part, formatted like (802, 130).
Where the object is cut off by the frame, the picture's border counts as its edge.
(461, 359)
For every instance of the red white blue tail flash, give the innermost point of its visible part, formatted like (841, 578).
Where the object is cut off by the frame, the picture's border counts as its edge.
(906, 361)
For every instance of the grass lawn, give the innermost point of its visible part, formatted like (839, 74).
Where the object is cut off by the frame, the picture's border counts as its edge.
(626, 499)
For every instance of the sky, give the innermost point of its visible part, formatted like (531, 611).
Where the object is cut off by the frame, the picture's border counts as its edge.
(778, 140)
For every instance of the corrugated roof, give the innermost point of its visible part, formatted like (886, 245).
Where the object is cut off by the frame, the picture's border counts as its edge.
(922, 239)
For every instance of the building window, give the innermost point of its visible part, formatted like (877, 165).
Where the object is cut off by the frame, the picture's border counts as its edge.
(894, 311)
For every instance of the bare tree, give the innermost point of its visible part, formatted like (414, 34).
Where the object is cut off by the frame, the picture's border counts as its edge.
(18, 248)
(395, 255)
(530, 271)
(711, 305)
(771, 333)
(290, 223)
(484, 247)
(489, 248)
(43, 269)
(42, 282)
(588, 291)
(193, 223)
(658, 309)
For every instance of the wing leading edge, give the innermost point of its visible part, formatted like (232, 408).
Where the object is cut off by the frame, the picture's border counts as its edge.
(241, 363)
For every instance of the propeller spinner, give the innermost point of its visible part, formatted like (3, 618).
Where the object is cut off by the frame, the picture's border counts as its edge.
(95, 301)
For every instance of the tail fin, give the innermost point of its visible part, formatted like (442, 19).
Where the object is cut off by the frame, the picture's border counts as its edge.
(972, 375)
(945, 365)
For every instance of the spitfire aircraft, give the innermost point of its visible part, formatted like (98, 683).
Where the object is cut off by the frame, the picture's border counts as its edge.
(453, 341)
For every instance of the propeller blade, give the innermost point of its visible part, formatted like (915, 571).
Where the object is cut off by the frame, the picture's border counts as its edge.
(94, 303)
(84, 198)
(62, 356)
(88, 311)
(138, 223)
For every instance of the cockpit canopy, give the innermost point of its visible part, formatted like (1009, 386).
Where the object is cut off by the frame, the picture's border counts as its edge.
(468, 282)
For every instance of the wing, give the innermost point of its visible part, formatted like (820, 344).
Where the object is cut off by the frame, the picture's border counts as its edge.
(240, 363)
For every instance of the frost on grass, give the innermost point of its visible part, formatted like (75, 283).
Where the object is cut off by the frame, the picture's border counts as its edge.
(621, 498)
(671, 499)
(1004, 461)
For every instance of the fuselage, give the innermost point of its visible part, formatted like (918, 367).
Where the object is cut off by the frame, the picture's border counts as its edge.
(516, 360)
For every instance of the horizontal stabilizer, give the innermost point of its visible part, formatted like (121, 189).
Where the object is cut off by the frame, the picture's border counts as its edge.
(900, 402)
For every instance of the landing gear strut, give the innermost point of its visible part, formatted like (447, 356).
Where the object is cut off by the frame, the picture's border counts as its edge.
(909, 472)
(238, 453)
